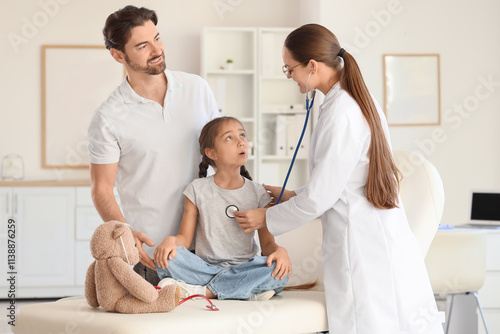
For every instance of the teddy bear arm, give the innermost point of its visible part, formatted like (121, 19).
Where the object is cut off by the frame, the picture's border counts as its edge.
(132, 281)
(90, 287)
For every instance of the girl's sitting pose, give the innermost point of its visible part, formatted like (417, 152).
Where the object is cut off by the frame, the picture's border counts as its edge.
(226, 265)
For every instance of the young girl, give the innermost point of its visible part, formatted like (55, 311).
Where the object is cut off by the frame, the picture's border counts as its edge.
(226, 264)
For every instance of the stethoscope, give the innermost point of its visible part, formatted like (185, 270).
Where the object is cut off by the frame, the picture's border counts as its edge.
(231, 208)
(308, 109)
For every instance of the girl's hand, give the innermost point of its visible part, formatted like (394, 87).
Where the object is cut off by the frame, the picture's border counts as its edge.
(283, 264)
(251, 220)
(276, 191)
(165, 251)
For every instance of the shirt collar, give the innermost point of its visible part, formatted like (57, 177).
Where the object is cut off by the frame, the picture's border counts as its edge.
(130, 96)
(331, 95)
(333, 92)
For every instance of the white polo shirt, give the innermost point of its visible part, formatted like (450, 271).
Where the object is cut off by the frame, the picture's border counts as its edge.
(156, 149)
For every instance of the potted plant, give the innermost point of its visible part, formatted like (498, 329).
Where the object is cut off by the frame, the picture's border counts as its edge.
(229, 64)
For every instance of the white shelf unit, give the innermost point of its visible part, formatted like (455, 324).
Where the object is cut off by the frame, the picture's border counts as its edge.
(234, 89)
(258, 93)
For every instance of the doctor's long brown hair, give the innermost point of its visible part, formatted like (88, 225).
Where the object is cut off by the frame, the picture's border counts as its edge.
(313, 41)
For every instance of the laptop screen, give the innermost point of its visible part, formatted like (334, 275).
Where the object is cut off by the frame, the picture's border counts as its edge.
(485, 208)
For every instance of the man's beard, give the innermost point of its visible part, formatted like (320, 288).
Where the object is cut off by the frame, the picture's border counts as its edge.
(149, 69)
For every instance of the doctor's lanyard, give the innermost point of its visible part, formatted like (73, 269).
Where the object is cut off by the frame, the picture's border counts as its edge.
(308, 109)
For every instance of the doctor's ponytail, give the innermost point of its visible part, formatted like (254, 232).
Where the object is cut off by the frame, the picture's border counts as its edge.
(313, 41)
(383, 176)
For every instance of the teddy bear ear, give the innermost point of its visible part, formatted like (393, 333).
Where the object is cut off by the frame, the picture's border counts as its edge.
(119, 231)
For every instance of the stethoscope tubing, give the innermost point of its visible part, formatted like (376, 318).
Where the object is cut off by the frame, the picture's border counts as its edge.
(308, 109)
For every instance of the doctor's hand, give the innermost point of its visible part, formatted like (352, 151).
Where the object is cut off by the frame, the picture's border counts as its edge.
(251, 220)
(165, 251)
(275, 191)
(283, 264)
(141, 238)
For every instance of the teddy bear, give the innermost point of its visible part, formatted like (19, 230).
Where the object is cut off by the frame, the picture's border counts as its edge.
(112, 283)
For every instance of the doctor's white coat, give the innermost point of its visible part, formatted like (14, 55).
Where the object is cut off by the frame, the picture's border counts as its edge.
(374, 274)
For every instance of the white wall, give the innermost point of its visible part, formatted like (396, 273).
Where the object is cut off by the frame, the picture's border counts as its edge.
(466, 35)
(80, 22)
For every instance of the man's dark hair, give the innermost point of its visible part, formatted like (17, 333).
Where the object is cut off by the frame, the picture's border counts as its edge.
(118, 27)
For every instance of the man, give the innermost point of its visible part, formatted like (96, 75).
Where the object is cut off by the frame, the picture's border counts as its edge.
(145, 135)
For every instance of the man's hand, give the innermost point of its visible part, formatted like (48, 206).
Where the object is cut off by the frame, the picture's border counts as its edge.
(141, 238)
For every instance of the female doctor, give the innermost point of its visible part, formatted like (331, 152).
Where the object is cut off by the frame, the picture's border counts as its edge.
(375, 278)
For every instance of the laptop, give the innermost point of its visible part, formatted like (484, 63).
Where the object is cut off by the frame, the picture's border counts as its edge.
(485, 208)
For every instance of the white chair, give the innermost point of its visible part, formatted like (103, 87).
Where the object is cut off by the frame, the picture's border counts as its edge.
(422, 194)
(456, 263)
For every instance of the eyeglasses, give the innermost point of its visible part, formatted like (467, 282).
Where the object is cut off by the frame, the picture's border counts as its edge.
(289, 70)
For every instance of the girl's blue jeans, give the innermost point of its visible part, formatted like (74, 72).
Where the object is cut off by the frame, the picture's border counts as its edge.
(235, 282)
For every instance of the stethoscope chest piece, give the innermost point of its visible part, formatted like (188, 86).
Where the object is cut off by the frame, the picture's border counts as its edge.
(230, 210)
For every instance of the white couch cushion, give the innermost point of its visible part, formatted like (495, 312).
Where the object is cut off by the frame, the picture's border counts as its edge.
(290, 312)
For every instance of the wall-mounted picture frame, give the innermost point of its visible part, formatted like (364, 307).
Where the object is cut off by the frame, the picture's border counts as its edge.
(412, 91)
(76, 79)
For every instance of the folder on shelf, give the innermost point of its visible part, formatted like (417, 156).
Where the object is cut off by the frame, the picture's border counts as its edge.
(295, 126)
(281, 131)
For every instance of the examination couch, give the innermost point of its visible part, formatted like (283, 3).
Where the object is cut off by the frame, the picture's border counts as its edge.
(290, 312)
